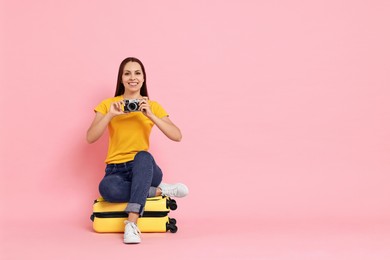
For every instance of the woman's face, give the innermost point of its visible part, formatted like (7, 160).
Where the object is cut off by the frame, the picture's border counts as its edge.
(132, 77)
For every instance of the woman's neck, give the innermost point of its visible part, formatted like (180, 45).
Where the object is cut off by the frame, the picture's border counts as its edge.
(135, 95)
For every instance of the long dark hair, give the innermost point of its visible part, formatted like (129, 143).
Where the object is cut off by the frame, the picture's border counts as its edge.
(120, 89)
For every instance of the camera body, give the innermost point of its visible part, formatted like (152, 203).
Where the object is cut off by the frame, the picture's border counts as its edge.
(131, 105)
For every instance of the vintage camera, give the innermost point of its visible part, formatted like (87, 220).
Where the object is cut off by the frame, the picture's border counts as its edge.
(131, 105)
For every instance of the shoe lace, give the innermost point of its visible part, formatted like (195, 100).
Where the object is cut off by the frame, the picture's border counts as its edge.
(172, 192)
(134, 229)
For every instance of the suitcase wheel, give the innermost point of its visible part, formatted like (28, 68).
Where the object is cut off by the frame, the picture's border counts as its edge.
(172, 221)
(171, 204)
(172, 228)
(171, 225)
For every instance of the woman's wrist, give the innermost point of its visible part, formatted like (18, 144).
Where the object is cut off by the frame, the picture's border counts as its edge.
(153, 117)
(110, 116)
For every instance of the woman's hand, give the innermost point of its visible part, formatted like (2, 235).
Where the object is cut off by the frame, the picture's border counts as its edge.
(101, 121)
(116, 108)
(145, 107)
(164, 124)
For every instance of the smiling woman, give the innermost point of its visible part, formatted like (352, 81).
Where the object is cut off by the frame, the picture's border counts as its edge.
(132, 174)
(133, 76)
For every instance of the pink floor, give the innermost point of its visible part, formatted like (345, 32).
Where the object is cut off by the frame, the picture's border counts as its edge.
(202, 239)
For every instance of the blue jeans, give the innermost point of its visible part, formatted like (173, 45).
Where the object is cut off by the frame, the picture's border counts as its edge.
(131, 182)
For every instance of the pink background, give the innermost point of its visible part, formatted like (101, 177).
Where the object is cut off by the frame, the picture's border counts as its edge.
(283, 106)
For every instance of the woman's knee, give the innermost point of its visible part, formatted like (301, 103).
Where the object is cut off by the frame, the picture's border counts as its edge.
(143, 169)
(143, 157)
(110, 188)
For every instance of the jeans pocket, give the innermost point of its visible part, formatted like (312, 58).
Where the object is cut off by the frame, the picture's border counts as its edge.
(110, 169)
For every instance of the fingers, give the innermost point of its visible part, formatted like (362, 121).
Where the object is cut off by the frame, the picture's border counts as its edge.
(144, 104)
(144, 100)
(117, 107)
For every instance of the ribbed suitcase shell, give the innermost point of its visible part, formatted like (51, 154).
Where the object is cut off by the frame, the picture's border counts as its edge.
(110, 217)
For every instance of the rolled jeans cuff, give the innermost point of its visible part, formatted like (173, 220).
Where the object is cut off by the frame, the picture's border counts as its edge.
(134, 207)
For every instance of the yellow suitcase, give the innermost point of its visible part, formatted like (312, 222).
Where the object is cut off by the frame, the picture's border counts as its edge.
(110, 217)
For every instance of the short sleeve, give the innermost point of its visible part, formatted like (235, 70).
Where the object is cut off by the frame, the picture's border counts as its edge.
(103, 107)
(158, 110)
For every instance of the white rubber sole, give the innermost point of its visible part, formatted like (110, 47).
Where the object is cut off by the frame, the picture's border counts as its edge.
(131, 241)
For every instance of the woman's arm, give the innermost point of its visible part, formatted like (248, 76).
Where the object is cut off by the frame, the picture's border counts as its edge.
(164, 124)
(98, 126)
(167, 127)
(100, 123)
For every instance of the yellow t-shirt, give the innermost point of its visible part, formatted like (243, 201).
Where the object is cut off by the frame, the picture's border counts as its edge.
(128, 133)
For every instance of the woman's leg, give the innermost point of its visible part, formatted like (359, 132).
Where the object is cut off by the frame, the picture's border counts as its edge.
(146, 176)
(115, 188)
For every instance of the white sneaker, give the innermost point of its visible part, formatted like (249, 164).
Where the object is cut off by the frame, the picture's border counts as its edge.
(174, 190)
(132, 234)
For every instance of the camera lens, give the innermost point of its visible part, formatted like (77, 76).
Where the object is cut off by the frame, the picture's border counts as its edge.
(133, 106)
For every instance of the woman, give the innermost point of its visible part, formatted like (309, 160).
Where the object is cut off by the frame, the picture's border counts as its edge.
(132, 175)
